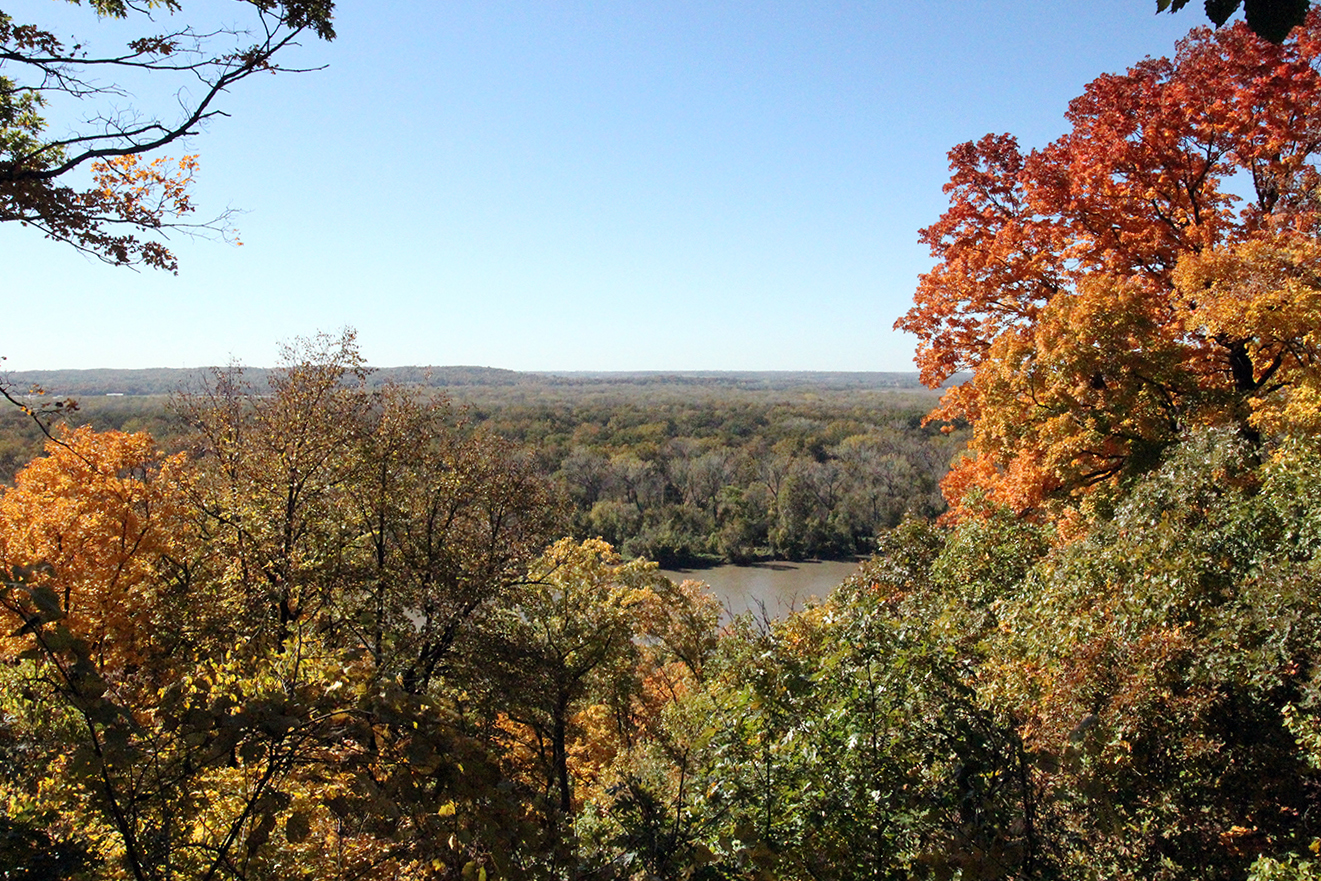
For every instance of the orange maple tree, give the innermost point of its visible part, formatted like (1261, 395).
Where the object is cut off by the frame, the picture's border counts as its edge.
(1058, 279)
(98, 513)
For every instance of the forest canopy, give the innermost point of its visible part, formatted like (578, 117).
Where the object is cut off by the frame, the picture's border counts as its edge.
(681, 469)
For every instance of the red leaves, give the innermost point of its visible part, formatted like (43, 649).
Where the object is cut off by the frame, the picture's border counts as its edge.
(1143, 179)
(994, 271)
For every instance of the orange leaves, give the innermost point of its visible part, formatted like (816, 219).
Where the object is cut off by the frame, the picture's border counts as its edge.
(1056, 275)
(1068, 401)
(101, 509)
(155, 188)
(126, 192)
(148, 195)
(130, 197)
(1265, 297)
(993, 272)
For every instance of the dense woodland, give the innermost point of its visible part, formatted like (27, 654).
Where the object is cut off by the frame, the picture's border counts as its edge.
(680, 469)
(327, 630)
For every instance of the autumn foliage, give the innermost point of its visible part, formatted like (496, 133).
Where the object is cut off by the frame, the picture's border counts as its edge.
(329, 636)
(135, 197)
(338, 639)
(1058, 280)
(103, 509)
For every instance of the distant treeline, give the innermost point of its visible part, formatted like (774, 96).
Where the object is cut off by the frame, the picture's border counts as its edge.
(686, 469)
(168, 380)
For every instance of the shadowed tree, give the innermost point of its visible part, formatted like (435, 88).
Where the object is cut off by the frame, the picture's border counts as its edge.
(1270, 19)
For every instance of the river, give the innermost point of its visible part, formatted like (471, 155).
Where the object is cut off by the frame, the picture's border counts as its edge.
(778, 586)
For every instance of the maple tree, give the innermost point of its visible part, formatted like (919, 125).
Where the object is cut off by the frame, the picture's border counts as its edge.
(1058, 280)
(100, 509)
(130, 200)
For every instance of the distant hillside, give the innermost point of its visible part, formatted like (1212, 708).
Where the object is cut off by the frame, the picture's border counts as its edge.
(742, 379)
(164, 380)
(167, 380)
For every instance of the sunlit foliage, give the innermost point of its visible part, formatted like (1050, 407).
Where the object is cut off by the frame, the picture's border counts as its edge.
(121, 215)
(1057, 283)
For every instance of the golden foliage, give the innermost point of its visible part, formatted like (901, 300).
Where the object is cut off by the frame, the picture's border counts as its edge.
(101, 509)
(1265, 294)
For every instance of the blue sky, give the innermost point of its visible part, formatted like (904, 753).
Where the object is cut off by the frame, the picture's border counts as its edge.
(579, 186)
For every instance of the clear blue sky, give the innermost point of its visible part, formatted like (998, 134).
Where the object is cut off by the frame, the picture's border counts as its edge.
(573, 185)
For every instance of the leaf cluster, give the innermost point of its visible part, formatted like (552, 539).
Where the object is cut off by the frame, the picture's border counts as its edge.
(1270, 19)
(1111, 291)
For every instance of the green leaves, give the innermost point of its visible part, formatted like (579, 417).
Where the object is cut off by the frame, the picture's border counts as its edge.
(131, 200)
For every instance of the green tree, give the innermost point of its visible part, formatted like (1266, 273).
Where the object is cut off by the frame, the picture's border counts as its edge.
(1165, 663)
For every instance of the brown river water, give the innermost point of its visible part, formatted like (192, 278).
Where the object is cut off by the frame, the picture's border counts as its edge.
(779, 587)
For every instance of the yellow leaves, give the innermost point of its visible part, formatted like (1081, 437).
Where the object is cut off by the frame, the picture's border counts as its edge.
(1263, 290)
(1056, 280)
(1264, 295)
(147, 191)
(588, 580)
(150, 195)
(100, 509)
